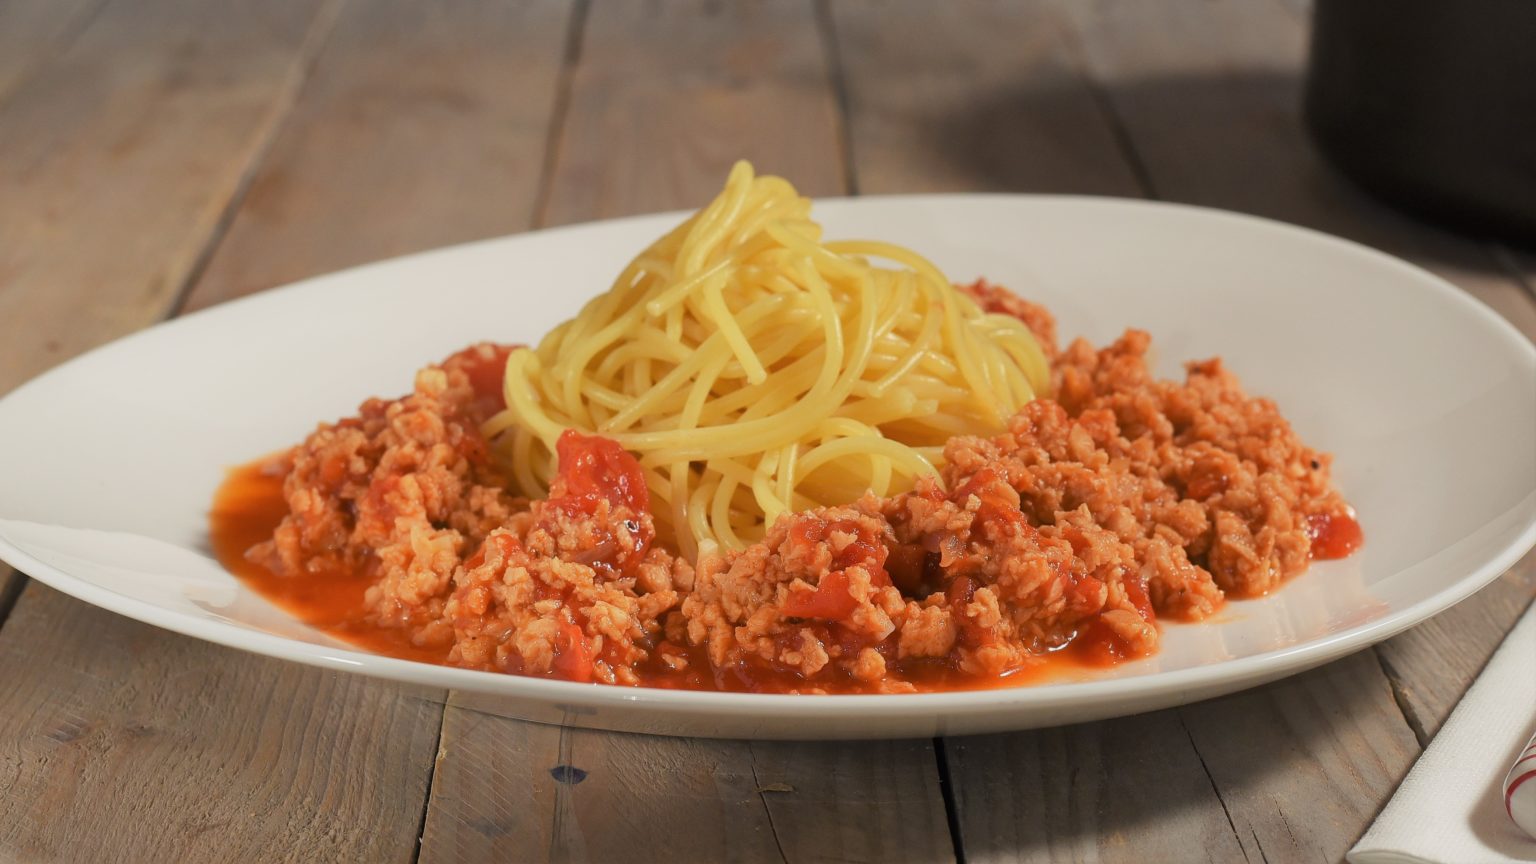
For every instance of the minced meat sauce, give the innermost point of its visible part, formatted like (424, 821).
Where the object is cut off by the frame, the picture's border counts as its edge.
(1120, 500)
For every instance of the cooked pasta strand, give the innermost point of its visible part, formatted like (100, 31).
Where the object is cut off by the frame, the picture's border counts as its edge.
(755, 369)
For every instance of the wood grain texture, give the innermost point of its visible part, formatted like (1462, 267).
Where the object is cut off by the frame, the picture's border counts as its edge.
(991, 100)
(171, 749)
(506, 790)
(31, 31)
(847, 801)
(1432, 665)
(650, 130)
(1303, 765)
(1130, 790)
(122, 155)
(125, 743)
(1301, 9)
(420, 126)
(125, 132)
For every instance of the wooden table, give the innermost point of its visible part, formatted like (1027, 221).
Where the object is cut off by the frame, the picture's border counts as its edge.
(160, 156)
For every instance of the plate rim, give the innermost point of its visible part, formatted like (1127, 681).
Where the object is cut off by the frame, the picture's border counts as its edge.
(1224, 675)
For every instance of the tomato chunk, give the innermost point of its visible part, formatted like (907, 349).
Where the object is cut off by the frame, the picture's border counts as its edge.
(573, 656)
(999, 501)
(486, 366)
(830, 600)
(959, 594)
(1334, 535)
(1136, 591)
(593, 468)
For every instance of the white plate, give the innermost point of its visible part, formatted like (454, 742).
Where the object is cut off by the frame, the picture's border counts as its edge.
(1427, 399)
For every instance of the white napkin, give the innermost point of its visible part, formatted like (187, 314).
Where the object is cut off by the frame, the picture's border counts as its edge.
(1450, 809)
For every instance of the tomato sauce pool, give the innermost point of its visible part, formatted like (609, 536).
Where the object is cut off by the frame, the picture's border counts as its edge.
(249, 506)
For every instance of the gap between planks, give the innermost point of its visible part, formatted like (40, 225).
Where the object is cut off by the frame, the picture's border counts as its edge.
(56, 40)
(309, 52)
(361, 127)
(113, 727)
(34, 31)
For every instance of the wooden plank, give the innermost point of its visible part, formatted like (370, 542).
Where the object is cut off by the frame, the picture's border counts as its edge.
(1303, 765)
(170, 745)
(123, 743)
(1128, 790)
(33, 30)
(653, 128)
(113, 103)
(505, 790)
(995, 101)
(846, 801)
(649, 130)
(1301, 9)
(419, 127)
(1432, 665)
(521, 791)
(121, 157)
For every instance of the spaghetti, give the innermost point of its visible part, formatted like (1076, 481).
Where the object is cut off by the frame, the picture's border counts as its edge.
(755, 369)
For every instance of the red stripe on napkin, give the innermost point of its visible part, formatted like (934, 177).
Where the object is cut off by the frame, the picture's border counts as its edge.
(1509, 791)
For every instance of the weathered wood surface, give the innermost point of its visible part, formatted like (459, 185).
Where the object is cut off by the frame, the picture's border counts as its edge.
(122, 156)
(206, 152)
(994, 100)
(650, 129)
(417, 129)
(237, 757)
(122, 743)
(125, 132)
(32, 31)
(506, 790)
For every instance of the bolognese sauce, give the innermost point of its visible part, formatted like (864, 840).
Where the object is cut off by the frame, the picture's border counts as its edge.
(1119, 502)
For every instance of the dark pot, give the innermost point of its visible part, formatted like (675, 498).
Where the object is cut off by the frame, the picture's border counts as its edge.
(1431, 105)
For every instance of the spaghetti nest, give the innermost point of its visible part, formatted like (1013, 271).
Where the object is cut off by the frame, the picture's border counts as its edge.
(755, 369)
